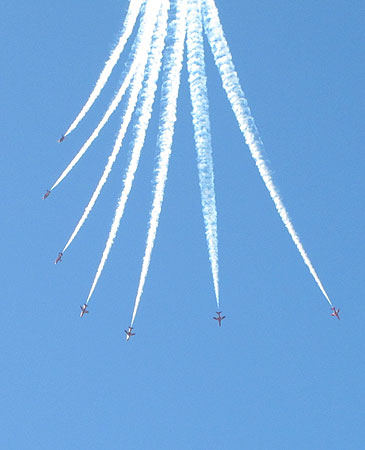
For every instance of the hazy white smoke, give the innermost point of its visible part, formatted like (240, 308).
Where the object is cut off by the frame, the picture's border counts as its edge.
(170, 90)
(146, 98)
(135, 88)
(130, 20)
(231, 84)
(144, 30)
(200, 114)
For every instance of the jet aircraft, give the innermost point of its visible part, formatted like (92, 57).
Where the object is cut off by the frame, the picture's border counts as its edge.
(61, 139)
(59, 258)
(129, 333)
(219, 317)
(335, 312)
(46, 194)
(84, 310)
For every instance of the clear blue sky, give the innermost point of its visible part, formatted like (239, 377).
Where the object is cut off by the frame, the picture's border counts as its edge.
(280, 374)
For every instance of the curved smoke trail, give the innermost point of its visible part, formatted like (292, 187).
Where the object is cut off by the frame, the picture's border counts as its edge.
(200, 114)
(135, 87)
(147, 99)
(129, 22)
(139, 48)
(170, 90)
(235, 94)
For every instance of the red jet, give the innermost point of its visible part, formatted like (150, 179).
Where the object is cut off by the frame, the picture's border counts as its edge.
(61, 139)
(219, 318)
(84, 310)
(46, 194)
(129, 333)
(335, 312)
(59, 258)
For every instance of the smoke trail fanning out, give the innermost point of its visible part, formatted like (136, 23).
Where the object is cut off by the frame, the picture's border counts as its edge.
(235, 94)
(135, 88)
(149, 52)
(145, 110)
(200, 114)
(170, 90)
(149, 15)
(129, 22)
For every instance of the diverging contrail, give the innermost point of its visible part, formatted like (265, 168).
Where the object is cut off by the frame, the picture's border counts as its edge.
(170, 90)
(145, 27)
(200, 114)
(147, 98)
(129, 22)
(135, 88)
(235, 94)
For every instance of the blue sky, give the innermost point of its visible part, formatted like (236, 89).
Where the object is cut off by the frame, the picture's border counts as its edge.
(280, 373)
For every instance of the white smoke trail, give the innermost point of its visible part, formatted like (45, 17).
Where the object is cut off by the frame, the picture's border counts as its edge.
(147, 99)
(170, 90)
(235, 94)
(200, 114)
(145, 26)
(135, 88)
(129, 22)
